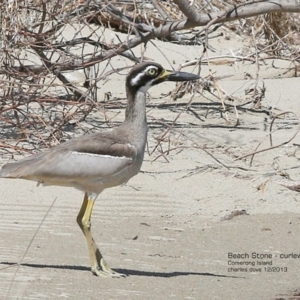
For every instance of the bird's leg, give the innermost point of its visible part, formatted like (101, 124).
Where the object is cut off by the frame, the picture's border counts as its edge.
(98, 264)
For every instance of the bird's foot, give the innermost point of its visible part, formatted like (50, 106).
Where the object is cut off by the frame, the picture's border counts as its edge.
(103, 270)
(98, 272)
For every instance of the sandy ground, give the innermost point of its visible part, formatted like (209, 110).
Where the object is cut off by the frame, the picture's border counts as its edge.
(169, 228)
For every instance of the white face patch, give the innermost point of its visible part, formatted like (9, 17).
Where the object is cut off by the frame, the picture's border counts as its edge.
(135, 80)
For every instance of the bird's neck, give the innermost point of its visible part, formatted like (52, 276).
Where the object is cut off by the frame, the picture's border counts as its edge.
(136, 121)
(136, 109)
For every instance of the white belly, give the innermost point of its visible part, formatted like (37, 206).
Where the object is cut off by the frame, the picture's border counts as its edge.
(97, 185)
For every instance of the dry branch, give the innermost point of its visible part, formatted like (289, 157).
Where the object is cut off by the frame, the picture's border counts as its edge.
(37, 96)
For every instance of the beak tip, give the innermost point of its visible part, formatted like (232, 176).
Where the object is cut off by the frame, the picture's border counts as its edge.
(182, 76)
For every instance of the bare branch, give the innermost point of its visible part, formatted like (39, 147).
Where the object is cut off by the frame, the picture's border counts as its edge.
(188, 10)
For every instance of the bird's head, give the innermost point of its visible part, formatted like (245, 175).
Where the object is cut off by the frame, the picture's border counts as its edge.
(147, 74)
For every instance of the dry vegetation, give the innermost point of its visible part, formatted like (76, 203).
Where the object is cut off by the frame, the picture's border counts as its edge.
(41, 100)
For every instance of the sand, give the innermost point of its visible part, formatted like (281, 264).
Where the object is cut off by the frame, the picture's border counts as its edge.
(171, 228)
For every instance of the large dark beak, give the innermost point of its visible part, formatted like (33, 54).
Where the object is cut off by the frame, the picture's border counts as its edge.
(176, 76)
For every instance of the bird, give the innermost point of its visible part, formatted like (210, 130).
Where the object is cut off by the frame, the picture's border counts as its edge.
(94, 162)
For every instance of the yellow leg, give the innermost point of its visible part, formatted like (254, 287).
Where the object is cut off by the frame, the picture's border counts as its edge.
(98, 265)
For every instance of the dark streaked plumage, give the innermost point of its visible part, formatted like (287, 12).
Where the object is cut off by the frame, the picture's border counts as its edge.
(97, 161)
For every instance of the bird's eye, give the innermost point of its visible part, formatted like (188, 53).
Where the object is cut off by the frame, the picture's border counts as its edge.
(152, 72)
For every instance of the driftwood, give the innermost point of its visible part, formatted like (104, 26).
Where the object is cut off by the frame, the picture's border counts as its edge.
(290, 184)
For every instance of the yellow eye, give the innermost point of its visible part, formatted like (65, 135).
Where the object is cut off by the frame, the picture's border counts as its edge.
(152, 72)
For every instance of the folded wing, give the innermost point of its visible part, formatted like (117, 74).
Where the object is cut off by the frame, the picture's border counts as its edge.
(91, 156)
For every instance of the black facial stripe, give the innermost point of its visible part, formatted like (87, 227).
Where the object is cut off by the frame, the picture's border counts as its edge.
(138, 76)
(142, 77)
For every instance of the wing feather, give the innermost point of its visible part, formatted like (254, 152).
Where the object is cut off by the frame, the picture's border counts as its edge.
(90, 156)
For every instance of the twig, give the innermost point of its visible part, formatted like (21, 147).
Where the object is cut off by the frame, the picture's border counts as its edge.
(271, 132)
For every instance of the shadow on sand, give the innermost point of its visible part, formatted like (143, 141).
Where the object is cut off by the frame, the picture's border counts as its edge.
(127, 272)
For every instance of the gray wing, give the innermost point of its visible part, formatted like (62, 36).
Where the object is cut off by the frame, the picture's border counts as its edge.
(90, 156)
